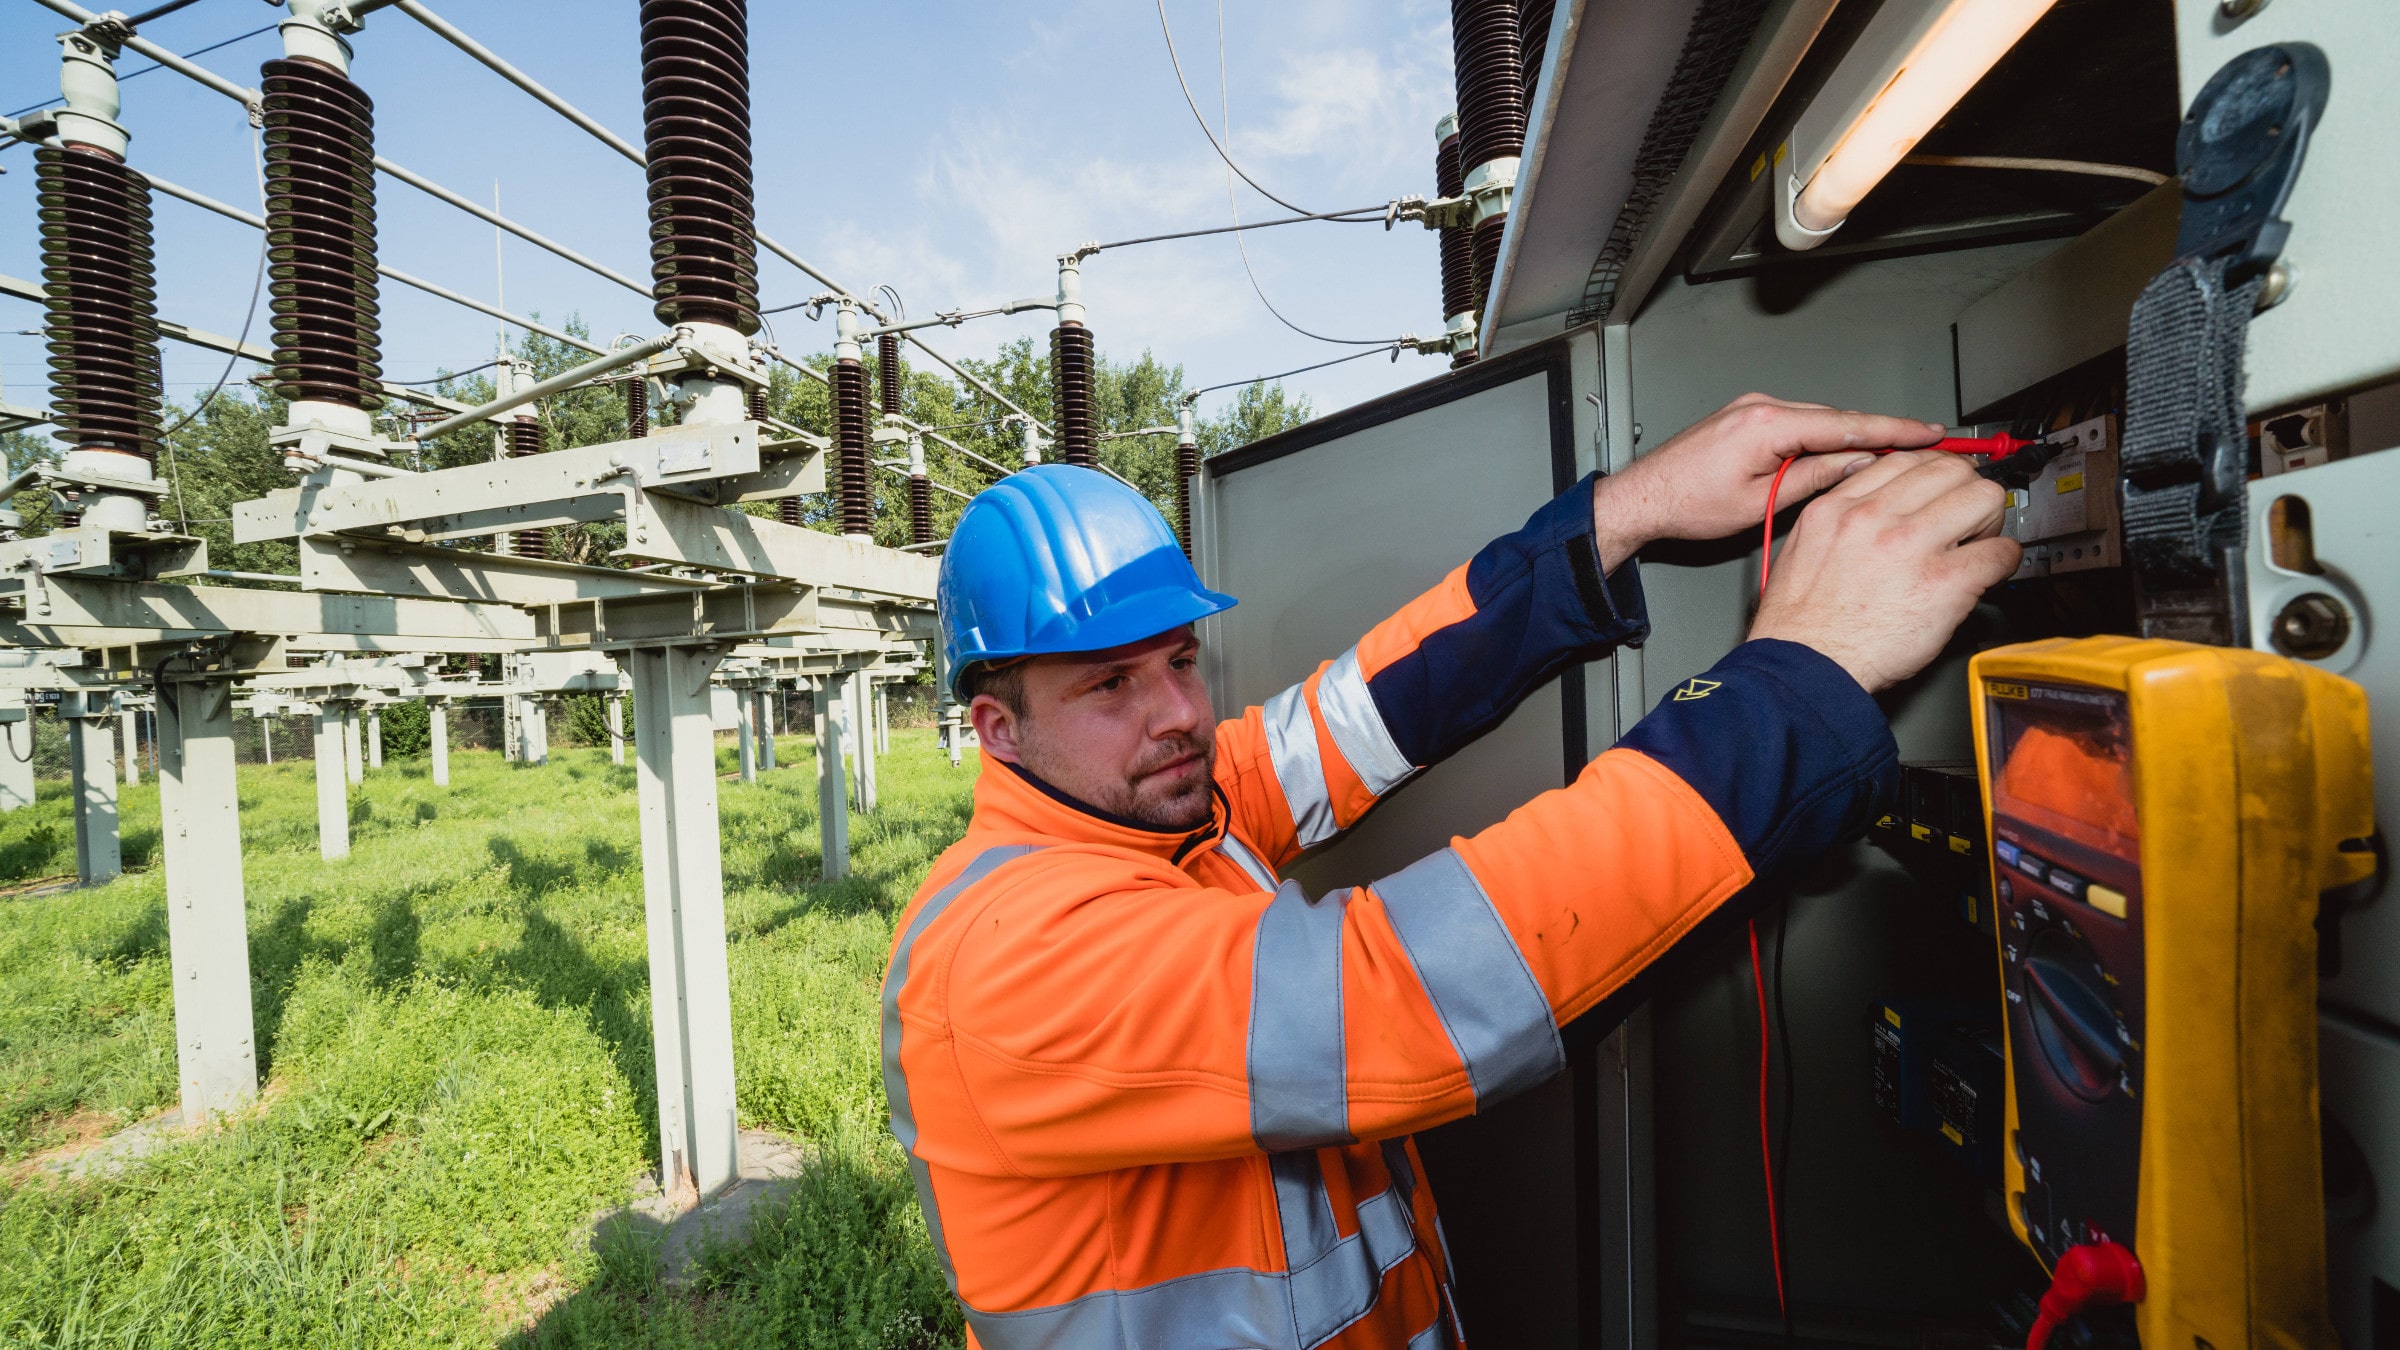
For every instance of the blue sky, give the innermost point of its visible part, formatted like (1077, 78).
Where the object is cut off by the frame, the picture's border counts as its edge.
(951, 150)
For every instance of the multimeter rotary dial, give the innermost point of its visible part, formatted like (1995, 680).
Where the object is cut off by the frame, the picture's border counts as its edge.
(2075, 1021)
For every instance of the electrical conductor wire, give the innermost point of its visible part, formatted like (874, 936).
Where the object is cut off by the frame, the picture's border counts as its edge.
(1194, 105)
(1225, 100)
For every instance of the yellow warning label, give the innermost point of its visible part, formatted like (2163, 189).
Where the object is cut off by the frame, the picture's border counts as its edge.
(1923, 834)
(2069, 482)
(2004, 689)
(1758, 166)
(1892, 1016)
(1958, 845)
(1950, 1132)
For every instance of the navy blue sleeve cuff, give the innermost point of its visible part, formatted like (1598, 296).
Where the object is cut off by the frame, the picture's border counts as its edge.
(1541, 605)
(1783, 744)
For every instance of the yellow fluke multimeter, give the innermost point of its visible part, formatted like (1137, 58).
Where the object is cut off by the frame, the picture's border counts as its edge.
(2163, 818)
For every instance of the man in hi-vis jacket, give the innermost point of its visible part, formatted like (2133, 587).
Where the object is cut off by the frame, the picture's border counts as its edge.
(1154, 1096)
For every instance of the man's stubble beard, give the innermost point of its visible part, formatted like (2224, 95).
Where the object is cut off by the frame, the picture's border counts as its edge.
(1189, 808)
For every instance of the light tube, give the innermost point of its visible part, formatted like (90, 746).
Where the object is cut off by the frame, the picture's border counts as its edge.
(1913, 62)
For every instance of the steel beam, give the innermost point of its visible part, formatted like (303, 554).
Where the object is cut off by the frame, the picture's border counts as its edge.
(730, 541)
(208, 943)
(683, 883)
(91, 765)
(722, 613)
(559, 487)
(430, 572)
(333, 788)
(79, 612)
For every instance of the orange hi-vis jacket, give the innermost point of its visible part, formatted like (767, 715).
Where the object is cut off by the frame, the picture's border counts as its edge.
(1156, 1098)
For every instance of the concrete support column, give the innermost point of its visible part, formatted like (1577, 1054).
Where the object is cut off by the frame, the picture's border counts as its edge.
(333, 792)
(438, 740)
(765, 698)
(208, 939)
(16, 775)
(129, 737)
(860, 734)
(833, 779)
(534, 718)
(616, 729)
(354, 762)
(683, 884)
(745, 722)
(375, 739)
(92, 766)
(883, 717)
(511, 735)
(266, 738)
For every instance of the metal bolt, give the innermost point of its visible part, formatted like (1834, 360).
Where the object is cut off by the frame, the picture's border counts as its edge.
(2312, 627)
(2238, 10)
(2276, 288)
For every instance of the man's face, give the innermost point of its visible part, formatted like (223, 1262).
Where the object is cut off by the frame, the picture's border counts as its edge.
(1128, 730)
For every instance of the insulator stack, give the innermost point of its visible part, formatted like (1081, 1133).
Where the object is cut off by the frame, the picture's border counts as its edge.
(637, 407)
(1457, 242)
(696, 117)
(1187, 464)
(1489, 49)
(887, 371)
(850, 446)
(320, 154)
(1533, 26)
(788, 510)
(101, 299)
(1071, 391)
(756, 404)
(920, 509)
(525, 438)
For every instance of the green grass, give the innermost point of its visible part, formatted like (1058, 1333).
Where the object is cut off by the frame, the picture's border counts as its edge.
(454, 1029)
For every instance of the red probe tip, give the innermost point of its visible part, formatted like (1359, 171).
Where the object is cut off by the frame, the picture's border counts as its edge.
(1998, 447)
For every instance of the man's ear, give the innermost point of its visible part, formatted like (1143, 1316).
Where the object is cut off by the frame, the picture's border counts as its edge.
(995, 727)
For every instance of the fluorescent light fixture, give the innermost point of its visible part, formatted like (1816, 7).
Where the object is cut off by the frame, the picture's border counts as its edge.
(1911, 64)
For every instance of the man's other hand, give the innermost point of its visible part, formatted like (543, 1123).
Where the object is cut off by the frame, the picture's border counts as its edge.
(1710, 479)
(1881, 569)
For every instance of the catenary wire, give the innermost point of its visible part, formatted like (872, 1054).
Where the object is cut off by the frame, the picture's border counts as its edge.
(1225, 100)
(1193, 104)
(1364, 215)
(258, 279)
(1302, 370)
(438, 379)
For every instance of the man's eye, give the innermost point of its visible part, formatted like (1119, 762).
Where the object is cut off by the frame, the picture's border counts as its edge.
(1110, 685)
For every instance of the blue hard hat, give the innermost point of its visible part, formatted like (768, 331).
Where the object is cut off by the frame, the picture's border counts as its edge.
(1060, 558)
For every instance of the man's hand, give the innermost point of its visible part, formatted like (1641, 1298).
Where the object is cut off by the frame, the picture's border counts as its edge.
(1884, 567)
(1711, 478)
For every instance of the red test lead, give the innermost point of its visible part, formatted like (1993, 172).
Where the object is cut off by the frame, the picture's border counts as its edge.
(1998, 447)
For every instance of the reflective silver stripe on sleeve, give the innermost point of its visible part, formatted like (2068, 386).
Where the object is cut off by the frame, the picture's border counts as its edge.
(1244, 859)
(1299, 1090)
(895, 1082)
(1494, 1010)
(1357, 727)
(1292, 745)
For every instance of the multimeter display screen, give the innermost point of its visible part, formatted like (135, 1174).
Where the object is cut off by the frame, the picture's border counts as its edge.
(2062, 761)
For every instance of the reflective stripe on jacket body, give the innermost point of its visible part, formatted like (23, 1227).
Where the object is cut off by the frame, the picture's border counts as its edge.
(1154, 1098)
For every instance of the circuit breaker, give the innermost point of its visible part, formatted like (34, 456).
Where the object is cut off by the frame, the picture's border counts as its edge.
(2067, 516)
(2163, 818)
